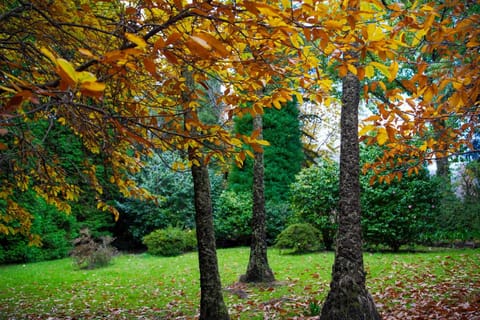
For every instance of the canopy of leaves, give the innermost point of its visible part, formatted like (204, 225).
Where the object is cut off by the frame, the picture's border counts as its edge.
(119, 75)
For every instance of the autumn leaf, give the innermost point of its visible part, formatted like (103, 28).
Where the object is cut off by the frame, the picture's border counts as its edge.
(382, 68)
(66, 71)
(382, 136)
(140, 42)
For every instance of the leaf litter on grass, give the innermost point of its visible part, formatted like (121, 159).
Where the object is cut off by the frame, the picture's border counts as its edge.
(416, 292)
(404, 287)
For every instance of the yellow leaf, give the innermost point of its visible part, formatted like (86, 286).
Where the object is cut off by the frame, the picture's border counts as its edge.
(276, 104)
(334, 24)
(85, 76)
(366, 129)
(352, 68)
(299, 97)
(236, 142)
(66, 71)
(382, 136)
(136, 39)
(382, 68)
(418, 36)
(86, 52)
(393, 69)
(374, 33)
(424, 146)
(297, 41)
(263, 142)
(48, 53)
(369, 71)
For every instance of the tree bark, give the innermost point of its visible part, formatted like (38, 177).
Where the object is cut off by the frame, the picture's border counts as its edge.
(348, 297)
(212, 305)
(258, 269)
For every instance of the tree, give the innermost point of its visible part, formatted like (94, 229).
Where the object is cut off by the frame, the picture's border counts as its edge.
(258, 269)
(430, 114)
(117, 84)
(348, 297)
(282, 160)
(112, 73)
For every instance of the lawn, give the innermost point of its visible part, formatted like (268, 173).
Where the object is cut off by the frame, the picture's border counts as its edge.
(433, 283)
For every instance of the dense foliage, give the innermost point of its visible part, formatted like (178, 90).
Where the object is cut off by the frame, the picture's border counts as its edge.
(315, 198)
(299, 238)
(56, 228)
(173, 205)
(400, 212)
(458, 218)
(170, 241)
(282, 160)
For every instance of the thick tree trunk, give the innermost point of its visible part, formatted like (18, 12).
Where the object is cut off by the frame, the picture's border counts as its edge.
(258, 269)
(212, 306)
(348, 297)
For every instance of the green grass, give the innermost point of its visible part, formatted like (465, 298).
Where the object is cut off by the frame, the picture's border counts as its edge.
(142, 285)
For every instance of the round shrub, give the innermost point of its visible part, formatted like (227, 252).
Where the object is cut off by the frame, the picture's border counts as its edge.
(299, 238)
(169, 242)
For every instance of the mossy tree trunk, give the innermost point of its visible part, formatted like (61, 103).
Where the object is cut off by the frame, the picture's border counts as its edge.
(212, 305)
(258, 269)
(348, 297)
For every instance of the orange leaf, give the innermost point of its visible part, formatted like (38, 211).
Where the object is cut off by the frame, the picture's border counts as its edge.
(93, 86)
(172, 58)
(150, 66)
(214, 43)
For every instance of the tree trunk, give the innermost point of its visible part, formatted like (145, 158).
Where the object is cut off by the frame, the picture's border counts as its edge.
(348, 297)
(212, 305)
(258, 269)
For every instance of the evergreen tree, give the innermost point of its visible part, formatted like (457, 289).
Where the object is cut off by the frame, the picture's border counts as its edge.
(283, 158)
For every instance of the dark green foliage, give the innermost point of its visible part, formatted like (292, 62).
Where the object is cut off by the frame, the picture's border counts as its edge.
(56, 229)
(174, 206)
(315, 198)
(299, 238)
(458, 218)
(398, 213)
(278, 216)
(282, 160)
(91, 253)
(233, 215)
(170, 241)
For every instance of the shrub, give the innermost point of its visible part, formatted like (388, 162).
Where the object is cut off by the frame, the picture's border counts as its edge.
(315, 198)
(90, 253)
(233, 217)
(398, 213)
(170, 242)
(299, 238)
